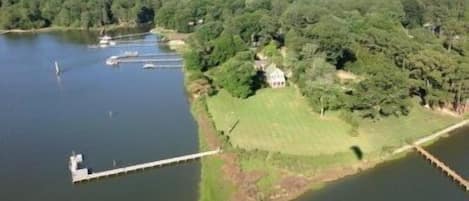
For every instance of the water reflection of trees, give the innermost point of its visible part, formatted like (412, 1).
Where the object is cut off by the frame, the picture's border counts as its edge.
(91, 36)
(77, 36)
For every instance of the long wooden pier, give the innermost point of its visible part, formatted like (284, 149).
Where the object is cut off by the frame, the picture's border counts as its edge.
(139, 41)
(158, 55)
(137, 60)
(443, 167)
(157, 66)
(78, 175)
(130, 35)
(132, 45)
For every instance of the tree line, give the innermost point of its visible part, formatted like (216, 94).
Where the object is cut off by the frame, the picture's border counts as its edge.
(33, 14)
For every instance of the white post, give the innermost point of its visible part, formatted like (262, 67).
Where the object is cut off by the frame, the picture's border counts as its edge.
(57, 69)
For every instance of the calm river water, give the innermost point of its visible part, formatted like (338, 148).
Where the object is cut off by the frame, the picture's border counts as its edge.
(407, 179)
(125, 114)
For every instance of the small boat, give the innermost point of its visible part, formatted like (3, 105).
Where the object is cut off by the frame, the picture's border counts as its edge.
(112, 60)
(112, 43)
(105, 40)
(149, 66)
(106, 37)
(130, 54)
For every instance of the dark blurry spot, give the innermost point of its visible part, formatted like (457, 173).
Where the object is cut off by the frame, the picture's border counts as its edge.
(357, 151)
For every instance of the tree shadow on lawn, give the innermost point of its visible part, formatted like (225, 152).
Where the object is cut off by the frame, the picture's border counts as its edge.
(357, 151)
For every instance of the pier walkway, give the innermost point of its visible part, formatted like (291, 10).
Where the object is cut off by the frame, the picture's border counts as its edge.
(139, 41)
(145, 58)
(130, 35)
(79, 176)
(443, 167)
(159, 54)
(168, 66)
(137, 60)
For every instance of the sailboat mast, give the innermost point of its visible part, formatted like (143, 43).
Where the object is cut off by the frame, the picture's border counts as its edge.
(57, 69)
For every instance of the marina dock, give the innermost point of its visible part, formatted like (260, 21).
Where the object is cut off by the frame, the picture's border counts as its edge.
(81, 175)
(137, 60)
(443, 167)
(130, 35)
(144, 58)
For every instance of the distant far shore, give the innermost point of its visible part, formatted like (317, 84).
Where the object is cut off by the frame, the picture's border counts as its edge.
(58, 28)
(45, 29)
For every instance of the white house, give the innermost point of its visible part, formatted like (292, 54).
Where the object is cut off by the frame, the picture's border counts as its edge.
(274, 76)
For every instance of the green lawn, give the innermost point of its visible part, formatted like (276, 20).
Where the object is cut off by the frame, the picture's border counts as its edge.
(280, 120)
(212, 184)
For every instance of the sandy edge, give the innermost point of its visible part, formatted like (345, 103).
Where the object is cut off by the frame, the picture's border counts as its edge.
(432, 136)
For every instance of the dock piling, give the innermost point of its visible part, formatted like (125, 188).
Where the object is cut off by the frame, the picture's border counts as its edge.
(443, 167)
(80, 175)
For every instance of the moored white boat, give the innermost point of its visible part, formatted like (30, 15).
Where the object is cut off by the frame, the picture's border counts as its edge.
(130, 54)
(112, 60)
(105, 40)
(149, 66)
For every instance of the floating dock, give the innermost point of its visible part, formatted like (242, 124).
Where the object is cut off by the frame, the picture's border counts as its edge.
(137, 60)
(443, 167)
(158, 55)
(139, 41)
(142, 58)
(162, 66)
(81, 175)
(130, 35)
(114, 60)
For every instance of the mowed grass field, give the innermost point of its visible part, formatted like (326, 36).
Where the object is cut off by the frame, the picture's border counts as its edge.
(394, 131)
(280, 120)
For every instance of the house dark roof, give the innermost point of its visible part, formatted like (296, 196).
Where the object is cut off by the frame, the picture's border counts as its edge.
(272, 68)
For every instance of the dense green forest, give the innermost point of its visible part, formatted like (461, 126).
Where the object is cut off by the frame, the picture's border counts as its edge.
(399, 51)
(29, 14)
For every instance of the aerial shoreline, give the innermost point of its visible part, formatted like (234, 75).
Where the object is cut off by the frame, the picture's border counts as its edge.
(318, 181)
(321, 178)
